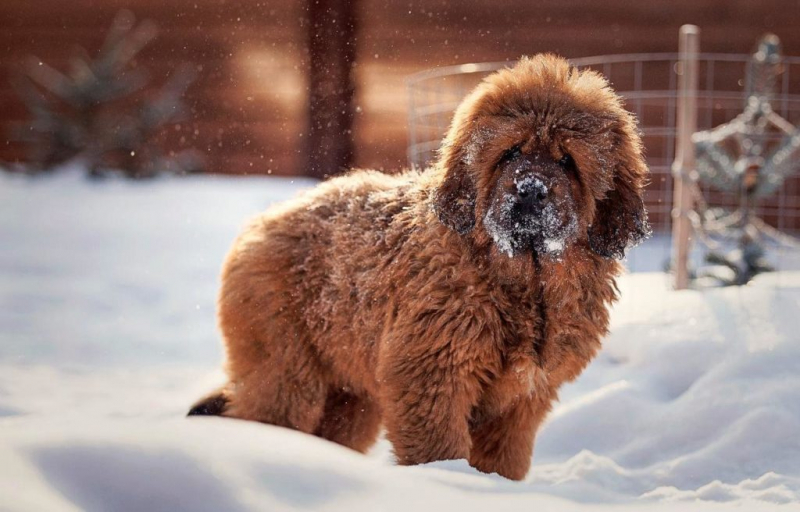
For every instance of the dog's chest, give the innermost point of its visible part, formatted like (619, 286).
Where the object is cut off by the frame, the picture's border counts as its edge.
(523, 373)
(524, 318)
(519, 380)
(535, 321)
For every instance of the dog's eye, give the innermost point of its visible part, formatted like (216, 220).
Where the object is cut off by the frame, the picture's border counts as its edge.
(567, 162)
(512, 154)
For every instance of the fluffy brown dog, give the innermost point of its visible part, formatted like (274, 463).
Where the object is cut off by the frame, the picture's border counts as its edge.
(448, 305)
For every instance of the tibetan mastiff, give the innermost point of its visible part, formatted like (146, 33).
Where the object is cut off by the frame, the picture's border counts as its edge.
(447, 305)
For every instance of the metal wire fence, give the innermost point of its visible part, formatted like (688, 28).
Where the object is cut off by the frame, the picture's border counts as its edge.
(648, 83)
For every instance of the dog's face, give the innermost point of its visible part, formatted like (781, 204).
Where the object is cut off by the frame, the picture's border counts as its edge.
(541, 157)
(534, 203)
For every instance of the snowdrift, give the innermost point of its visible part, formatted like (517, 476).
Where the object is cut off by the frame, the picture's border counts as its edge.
(107, 335)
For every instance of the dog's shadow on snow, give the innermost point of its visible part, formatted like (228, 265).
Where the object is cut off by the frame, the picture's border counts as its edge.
(460, 475)
(123, 478)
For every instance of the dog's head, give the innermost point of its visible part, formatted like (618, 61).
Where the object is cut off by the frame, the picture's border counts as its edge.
(542, 156)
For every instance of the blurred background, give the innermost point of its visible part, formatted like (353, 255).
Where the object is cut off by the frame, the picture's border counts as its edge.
(248, 108)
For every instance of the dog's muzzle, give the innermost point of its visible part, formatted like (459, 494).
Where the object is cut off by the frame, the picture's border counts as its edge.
(532, 194)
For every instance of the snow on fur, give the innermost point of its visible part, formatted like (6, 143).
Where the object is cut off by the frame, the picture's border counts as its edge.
(506, 235)
(107, 334)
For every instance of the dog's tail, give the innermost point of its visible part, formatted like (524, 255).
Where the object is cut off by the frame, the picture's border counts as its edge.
(213, 404)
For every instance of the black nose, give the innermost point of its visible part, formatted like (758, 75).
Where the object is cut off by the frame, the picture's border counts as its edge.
(531, 191)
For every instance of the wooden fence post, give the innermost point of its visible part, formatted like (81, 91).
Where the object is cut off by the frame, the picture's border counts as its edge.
(331, 87)
(684, 163)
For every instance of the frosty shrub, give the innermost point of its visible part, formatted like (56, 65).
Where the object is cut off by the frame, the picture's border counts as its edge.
(102, 111)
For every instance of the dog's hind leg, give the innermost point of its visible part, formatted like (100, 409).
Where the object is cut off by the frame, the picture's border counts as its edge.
(285, 388)
(274, 370)
(351, 420)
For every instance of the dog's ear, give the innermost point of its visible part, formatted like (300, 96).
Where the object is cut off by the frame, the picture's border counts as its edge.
(454, 200)
(620, 221)
(455, 196)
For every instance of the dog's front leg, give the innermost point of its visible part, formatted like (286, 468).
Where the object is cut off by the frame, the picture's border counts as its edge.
(504, 444)
(429, 386)
(426, 409)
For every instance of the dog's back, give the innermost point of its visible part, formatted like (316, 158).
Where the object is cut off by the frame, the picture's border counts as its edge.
(302, 301)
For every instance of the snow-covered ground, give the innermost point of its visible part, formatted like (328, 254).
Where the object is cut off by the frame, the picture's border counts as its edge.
(107, 335)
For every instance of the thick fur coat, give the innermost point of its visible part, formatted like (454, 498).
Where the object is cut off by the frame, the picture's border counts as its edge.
(448, 305)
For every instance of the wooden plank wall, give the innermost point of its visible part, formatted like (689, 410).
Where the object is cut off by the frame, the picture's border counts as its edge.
(248, 104)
